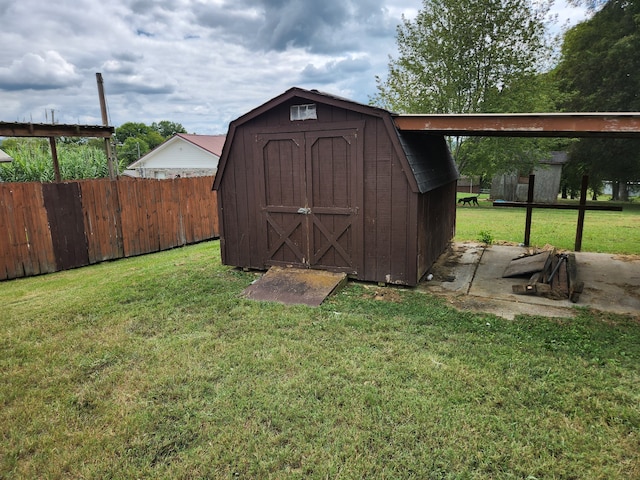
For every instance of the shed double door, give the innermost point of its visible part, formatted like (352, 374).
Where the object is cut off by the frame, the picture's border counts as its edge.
(309, 186)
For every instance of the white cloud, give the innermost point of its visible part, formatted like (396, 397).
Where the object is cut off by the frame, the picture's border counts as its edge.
(48, 71)
(201, 63)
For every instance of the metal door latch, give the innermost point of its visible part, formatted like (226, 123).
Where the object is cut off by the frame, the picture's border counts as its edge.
(304, 210)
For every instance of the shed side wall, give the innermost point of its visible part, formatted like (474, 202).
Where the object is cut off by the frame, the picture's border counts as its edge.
(436, 224)
(389, 210)
(238, 203)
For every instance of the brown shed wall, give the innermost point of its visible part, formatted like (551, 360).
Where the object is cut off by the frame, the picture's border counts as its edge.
(436, 224)
(389, 211)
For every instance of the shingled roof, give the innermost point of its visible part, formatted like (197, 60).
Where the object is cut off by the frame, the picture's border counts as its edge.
(211, 143)
(423, 153)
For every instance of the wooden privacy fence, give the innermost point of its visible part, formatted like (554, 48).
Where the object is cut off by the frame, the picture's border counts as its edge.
(47, 227)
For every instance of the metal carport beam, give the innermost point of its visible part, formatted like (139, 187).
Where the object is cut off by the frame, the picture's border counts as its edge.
(610, 124)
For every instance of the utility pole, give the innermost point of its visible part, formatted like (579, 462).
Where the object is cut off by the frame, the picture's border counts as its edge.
(113, 173)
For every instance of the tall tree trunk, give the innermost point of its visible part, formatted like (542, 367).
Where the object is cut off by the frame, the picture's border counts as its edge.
(623, 192)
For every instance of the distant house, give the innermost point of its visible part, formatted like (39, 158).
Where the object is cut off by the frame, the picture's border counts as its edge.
(513, 187)
(183, 155)
(4, 157)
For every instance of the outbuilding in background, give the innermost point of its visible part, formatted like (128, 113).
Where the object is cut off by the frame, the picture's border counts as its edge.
(513, 187)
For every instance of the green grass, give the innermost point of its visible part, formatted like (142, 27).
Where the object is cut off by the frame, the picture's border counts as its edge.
(604, 232)
(155, 367)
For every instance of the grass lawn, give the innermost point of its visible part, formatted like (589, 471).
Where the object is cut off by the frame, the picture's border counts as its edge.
(154, 367)
(606, 232)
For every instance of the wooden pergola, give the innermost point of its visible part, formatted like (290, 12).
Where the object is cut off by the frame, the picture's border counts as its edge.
(13, 129)
(53, 130)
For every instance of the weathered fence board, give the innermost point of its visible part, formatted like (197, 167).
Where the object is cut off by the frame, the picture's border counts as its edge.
(102, 219)
(50, 227)
(26, 247)
(66, 222)
(168, 216)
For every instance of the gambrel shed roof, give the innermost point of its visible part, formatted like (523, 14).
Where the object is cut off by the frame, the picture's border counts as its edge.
(420, 152)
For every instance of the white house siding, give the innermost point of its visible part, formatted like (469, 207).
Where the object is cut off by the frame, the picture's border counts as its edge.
(162, 173)
(182, 153)
(177, 157)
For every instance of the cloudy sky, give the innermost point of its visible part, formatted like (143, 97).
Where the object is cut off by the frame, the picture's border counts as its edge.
(201, 63)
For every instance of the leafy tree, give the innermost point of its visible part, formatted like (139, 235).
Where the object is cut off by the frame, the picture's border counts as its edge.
(137, 139)
(456, 52)
(591, 5)
(167, 129)
(153, 139)
(140, 131)
(468, 56)
(600, 71)
(132, 149)
(599, 68)
(487, 156)
(131, 129)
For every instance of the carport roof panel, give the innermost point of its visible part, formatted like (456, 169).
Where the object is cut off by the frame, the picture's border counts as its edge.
(594, 124)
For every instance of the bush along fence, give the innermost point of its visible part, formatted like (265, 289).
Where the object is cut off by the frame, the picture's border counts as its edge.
(47, 227)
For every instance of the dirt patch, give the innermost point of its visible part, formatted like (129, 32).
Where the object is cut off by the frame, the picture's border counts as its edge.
(506, 309)
(443, 270)
(627, 258)
(631, 290)
(386, 294)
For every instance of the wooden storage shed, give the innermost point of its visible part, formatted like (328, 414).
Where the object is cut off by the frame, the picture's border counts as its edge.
(315, 181)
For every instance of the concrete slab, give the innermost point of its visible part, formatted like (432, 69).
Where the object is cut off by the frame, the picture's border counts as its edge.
(469, 275)
(295, 286)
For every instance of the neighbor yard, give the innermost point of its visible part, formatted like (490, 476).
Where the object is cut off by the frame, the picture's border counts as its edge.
(155, 367)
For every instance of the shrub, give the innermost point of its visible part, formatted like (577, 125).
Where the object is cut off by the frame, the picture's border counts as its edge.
(485, 237)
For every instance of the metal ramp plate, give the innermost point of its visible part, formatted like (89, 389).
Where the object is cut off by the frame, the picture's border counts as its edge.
(295, 286)
(528, 264)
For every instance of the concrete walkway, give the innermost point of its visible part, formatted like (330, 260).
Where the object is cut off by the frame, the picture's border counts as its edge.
(469, 275)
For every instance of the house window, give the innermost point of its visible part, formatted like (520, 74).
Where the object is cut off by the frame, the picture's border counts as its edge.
(303, 112)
